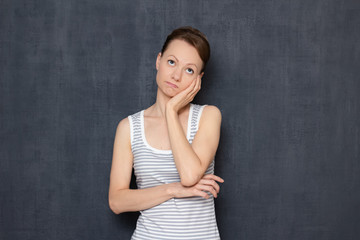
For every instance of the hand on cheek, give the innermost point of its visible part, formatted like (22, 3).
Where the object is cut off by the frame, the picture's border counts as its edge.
(186, 96)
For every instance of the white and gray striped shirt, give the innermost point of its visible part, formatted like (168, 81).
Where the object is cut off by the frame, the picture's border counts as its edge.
(176, 218)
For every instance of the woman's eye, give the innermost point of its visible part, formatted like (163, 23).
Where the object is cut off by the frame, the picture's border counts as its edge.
(171, 62)
(189, 70)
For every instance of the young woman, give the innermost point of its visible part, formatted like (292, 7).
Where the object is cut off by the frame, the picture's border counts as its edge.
(171, 145)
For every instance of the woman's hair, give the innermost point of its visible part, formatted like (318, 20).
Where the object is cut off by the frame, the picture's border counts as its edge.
(195, 38)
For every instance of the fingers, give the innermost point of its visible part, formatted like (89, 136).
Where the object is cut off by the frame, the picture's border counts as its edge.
(194, 88)
(197, 85)
(200, 193)
(187, 95)
(213, 177)
(207, 188)
(194, 85)
(210, 183)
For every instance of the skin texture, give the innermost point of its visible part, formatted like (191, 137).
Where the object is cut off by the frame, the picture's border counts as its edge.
(179, 80)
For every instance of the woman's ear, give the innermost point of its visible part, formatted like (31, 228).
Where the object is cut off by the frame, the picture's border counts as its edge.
(201, 75)
(158, 61)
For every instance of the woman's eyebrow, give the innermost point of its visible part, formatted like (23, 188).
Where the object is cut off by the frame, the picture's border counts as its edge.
(186, 63)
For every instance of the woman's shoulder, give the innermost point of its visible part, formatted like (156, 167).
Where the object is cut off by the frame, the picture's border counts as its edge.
(125, 122)
(137, 113)
(123, 125)
(210, 113)
(210, 110)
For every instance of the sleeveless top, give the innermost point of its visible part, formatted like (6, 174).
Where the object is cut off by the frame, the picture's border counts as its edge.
(176, 218)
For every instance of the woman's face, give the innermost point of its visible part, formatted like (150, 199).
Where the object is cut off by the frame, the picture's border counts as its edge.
(179, 65)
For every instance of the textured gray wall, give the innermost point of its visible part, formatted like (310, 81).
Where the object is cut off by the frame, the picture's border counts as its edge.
(285, 75)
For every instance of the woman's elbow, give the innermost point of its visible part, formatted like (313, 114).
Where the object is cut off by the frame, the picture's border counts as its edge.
(189, 181)
(114, 207)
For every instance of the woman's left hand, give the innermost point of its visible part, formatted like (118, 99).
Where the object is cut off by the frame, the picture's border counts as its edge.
(184, 97)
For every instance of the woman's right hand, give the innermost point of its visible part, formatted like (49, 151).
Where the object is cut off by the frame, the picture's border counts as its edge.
(207, 183)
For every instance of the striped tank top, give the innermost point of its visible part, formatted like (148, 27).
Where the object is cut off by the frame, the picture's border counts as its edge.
(176, 218)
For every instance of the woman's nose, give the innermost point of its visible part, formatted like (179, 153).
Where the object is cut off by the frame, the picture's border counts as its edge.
(176, 75)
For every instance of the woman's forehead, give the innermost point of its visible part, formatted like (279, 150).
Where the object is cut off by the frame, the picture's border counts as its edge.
(184, 52)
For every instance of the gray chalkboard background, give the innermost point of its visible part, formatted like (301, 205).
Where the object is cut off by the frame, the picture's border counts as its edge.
(285, 75)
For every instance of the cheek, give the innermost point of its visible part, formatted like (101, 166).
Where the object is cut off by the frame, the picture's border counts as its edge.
(163, 70)
(187, 81)
(160, 72)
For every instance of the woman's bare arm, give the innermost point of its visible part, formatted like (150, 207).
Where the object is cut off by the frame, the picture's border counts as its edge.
(123, 199)
(193, 160)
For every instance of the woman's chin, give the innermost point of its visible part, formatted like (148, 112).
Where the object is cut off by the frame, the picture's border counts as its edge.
(169, 92)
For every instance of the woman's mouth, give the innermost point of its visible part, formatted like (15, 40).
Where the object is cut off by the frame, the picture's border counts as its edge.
(171, 85)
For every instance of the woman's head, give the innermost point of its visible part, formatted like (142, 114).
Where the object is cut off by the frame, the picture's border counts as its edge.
(182, 60)
(193, 37)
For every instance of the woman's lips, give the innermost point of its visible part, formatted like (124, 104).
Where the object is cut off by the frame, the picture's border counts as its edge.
(171, 85)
